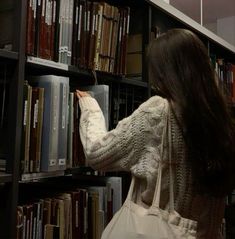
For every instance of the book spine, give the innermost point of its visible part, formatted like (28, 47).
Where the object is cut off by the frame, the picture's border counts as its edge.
(98, 40)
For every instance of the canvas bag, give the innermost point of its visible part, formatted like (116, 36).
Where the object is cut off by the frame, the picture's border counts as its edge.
(133, 221)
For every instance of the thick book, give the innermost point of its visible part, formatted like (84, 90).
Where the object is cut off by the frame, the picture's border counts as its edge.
(33, 129)
(70, 131)
(26, 127)
(75, 32)
(102, 207)
(29, 28)
(116, 186)
(79, 213)
(37, 218)
(51, 231)
(28, 217)
(55, 46)
(93, 214)
(54, 130)
(98, 37)
(66, 197)
(63, 122)
(78, 153)
(19, 222)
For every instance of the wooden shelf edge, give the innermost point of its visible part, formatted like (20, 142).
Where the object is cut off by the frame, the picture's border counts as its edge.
(32, 177)
(104, 76)
(79, 170)
(135, 82)
(5, 177)
(46, 63)
(9, 54)
(34, 61)
(35, 177)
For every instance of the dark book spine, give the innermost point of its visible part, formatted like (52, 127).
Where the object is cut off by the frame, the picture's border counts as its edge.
(29, 31)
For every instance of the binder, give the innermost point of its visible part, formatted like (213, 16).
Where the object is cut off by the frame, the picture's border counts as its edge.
(63, 122)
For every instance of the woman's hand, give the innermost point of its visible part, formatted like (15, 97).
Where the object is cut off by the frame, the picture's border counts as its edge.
(81, 94)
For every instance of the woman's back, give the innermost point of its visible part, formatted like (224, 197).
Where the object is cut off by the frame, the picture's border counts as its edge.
(208, 211)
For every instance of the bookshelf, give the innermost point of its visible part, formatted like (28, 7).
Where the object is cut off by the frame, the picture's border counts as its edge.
(143, 16)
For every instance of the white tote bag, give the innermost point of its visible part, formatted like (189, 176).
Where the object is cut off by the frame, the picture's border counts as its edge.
(133, 221)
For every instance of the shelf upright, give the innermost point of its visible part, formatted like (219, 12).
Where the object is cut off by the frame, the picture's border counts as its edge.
(147, 23)
(15, 119)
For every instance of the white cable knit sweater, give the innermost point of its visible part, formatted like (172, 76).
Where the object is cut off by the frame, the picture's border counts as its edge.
(134, 145)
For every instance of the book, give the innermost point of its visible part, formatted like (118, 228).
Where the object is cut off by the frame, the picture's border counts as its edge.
(28, 221)
(19, 222)
(67, 200)
(70, 131)
(33, 129)
(55, 46)
(79, 213)
(30, 27)
(51, 231)
(38, 207)
(116, 185)
(26, 126)
(134, 55)
(46, 214)
(37, 165)
(63, 122)
(75, 32)
(78, 153)
(93, 214)
(101, 207)
(98, 37)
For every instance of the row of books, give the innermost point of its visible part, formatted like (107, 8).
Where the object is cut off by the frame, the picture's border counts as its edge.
(45, 125)
(50, 137)
(79, 32)
(226, 78)
(81, 213)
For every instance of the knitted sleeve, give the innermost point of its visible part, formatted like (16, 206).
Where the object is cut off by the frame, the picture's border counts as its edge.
(122, 147)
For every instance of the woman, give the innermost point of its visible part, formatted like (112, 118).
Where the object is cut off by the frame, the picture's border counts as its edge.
(202, 133)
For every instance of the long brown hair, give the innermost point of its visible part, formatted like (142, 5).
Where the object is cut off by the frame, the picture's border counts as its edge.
(180, 70)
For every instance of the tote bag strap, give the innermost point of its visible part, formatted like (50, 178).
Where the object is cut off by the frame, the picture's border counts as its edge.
(157, 193)
(166, 137)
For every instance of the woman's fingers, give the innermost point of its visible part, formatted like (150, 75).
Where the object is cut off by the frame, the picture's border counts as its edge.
(81, 94)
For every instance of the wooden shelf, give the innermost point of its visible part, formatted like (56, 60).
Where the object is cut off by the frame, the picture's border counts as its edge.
(8, 54)
(35, 177)
(46, 63)
(5, 177)
(80, 170)
(57, 67)
(106, 77)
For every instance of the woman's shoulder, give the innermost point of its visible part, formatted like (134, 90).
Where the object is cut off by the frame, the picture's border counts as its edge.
(155, 104)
